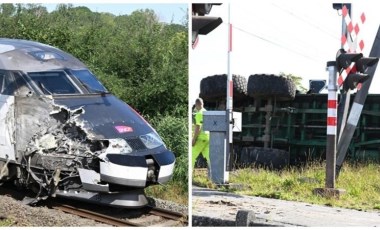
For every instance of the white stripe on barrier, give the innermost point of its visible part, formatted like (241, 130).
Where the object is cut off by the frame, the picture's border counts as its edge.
(331, 130)
(332, 95)
(331, 113)
(356, 110)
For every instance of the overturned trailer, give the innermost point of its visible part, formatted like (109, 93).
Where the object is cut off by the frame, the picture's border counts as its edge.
(282, 127)
(63, 134)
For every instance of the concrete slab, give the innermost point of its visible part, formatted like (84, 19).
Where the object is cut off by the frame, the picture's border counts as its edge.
(215, 208)
(245, 218)
(329, 192)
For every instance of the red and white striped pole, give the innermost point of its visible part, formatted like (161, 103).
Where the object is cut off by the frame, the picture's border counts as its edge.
(331, 125)
(230, 85)
(229, 101)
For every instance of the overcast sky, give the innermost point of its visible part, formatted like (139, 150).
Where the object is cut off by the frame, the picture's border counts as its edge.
(273, 36)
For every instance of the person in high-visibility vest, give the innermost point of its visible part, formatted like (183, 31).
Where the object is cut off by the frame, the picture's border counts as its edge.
(201, 138)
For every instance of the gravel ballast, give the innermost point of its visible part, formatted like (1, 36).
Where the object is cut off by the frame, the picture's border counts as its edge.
(20, 215)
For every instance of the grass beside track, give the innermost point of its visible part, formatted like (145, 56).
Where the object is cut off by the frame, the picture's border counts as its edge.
(6, 223)
(173, 191)
(361, 182)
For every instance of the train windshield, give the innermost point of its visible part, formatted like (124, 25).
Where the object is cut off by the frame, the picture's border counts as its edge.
(89, 81)
(53, 82)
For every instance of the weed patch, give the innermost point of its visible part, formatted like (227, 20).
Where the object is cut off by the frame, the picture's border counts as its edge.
(361, 182)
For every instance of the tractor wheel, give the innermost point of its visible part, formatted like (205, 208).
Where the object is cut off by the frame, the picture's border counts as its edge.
(214, 88)
(264, 86)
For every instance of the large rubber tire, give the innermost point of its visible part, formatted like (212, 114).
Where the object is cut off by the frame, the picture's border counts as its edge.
(265, 86)
(264, 157)
(214, 88)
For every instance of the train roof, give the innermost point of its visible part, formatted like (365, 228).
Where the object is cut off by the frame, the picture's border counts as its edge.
(31, 56)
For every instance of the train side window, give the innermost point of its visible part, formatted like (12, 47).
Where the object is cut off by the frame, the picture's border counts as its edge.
(89, 80)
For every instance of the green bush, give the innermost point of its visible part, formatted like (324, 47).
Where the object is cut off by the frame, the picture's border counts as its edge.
(174, 132)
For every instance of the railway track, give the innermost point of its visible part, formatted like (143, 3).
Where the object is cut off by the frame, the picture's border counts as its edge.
(147, 216)
(121, 217)
(92, 215)
(167, 214)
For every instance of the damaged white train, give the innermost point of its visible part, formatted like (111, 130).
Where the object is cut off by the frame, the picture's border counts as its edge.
(62, 133)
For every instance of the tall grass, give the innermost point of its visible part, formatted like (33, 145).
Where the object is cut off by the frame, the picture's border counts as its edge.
(174, 132)
(361, 182)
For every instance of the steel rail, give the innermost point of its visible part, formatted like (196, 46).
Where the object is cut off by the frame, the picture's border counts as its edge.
(168, 214)
(94, 216)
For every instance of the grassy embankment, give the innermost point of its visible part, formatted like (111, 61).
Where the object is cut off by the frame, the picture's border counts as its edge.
(172, 192)
(361, 182)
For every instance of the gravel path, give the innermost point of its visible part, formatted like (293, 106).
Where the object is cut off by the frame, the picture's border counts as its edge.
(215, 208)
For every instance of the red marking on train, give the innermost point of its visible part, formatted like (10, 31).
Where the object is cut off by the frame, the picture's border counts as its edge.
(123, 129)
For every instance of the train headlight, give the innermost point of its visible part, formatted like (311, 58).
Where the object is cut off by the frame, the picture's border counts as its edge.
(118, 146)
(151, 140)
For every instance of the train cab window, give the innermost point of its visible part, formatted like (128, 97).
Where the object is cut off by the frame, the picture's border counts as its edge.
(53, 82)
(9, 84)
(12, 83)
(22, 88)
(89, 80)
